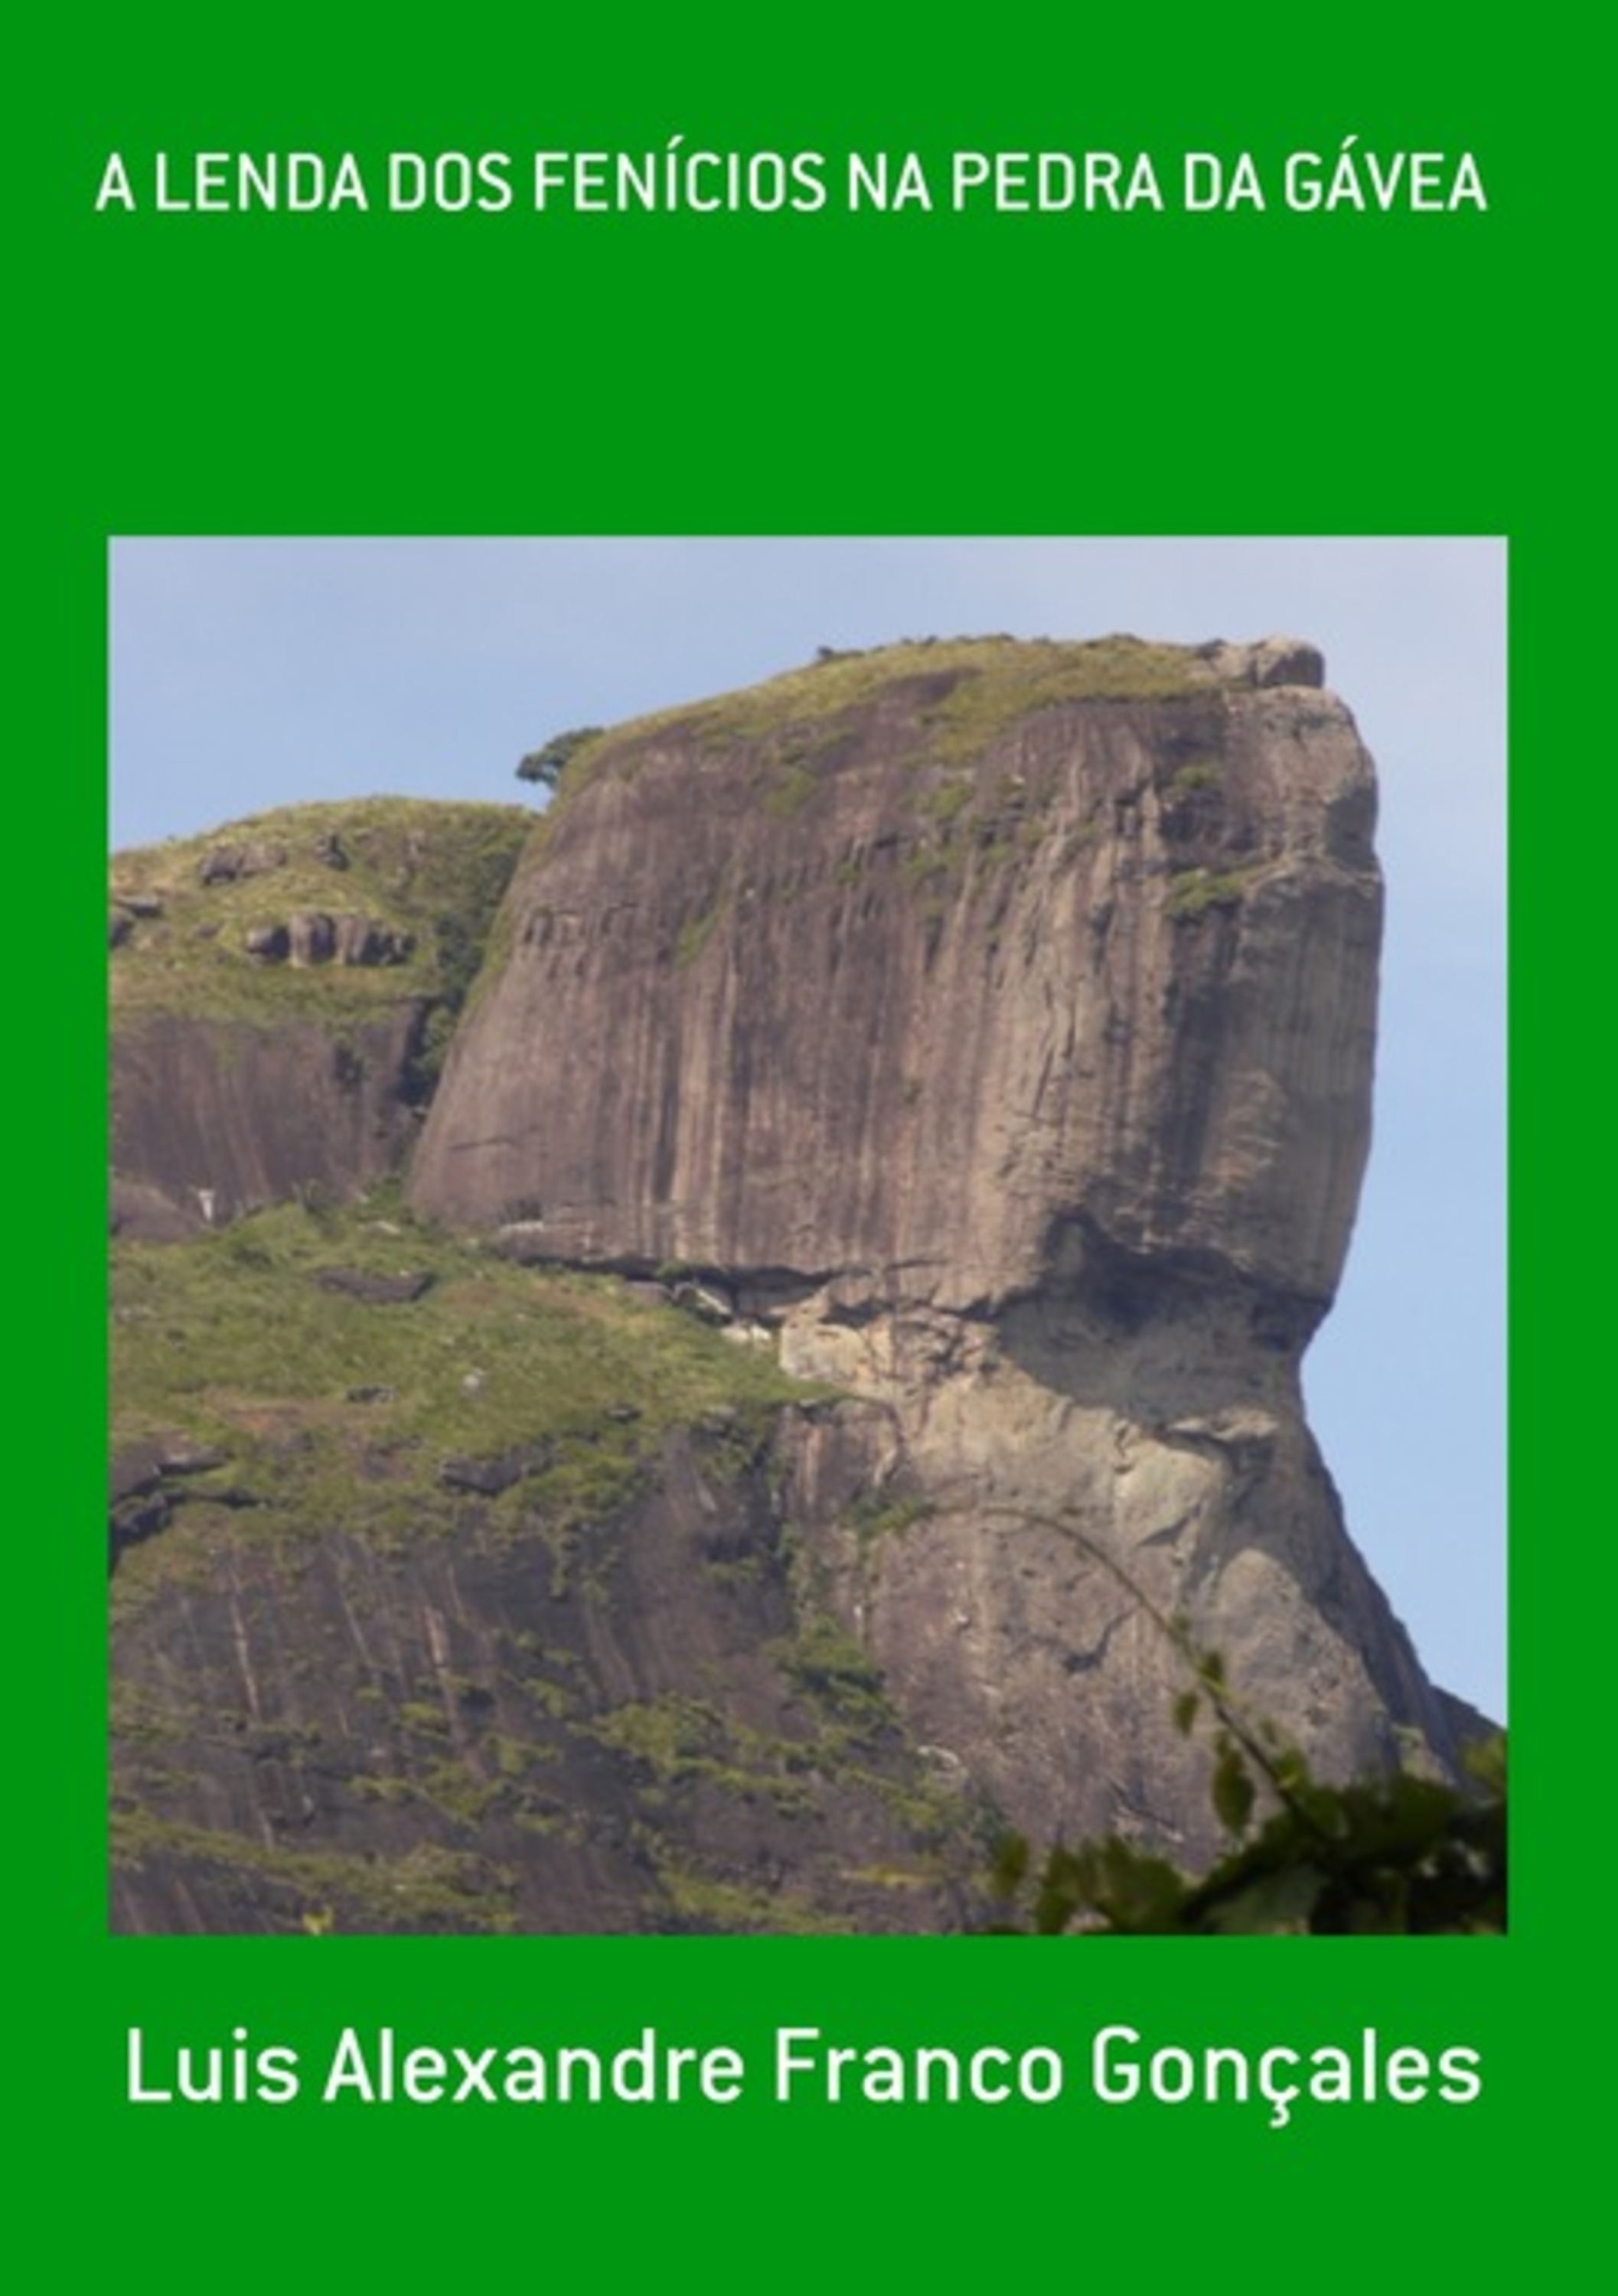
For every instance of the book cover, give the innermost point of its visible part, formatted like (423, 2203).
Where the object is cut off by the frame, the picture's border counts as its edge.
(1213, 303)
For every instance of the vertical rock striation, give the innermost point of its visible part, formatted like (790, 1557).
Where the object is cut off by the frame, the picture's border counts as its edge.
(279, 996)
(992, 1025)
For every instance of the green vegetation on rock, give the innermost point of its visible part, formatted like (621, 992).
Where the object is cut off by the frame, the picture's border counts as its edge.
(956, 694)
(548, 764)
(697, 931)
(333, 1409)
(398, 1650)
(1193, 892)
(430, 876)
(428, 1890)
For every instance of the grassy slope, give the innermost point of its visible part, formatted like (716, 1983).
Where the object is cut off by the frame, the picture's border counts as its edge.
(434, 871)
(233, 1342)
(338, 1415)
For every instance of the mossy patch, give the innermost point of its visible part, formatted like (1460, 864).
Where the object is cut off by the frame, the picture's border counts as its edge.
(325, 1892)
(877, 1516)
(731, 1909)
(696, 933)
(787, 792)
(838, 1674)
(948, 801)
(1193, 892)
(681, 1740)
(1199, 773)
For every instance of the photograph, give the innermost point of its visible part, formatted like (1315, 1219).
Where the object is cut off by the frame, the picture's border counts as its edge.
(807, 1236)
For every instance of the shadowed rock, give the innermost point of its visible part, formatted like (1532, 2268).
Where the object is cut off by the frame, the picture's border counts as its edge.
(376, 1289)
(227, 864)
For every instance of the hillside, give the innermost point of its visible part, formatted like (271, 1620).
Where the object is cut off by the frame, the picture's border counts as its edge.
(282, 994)
(450, 1596)
(869, 1212)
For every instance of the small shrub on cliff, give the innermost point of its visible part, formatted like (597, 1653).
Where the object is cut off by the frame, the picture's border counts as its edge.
(1193, 892)
(545, 765)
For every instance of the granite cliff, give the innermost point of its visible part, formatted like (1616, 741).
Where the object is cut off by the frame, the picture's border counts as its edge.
(955, 1060)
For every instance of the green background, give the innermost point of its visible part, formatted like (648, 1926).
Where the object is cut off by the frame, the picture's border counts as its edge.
(1244, 373)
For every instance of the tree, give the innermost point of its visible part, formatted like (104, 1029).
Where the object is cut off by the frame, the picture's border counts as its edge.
(1401, 1856)
(545, 765)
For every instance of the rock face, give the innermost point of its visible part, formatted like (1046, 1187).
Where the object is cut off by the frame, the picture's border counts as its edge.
(995, 1023)
(980, 1032)
(450, 1740)
(885, 998)
(454, 1596)
(263, 1043)
(217, 1116)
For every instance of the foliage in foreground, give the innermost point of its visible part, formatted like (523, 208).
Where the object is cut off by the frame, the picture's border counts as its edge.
(1400, 1855)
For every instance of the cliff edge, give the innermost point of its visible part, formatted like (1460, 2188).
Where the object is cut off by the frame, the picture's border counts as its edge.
(989, 1025)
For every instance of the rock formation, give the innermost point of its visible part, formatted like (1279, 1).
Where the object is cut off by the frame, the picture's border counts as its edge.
(995, 1023)
(951, 1068)
(234, 1083)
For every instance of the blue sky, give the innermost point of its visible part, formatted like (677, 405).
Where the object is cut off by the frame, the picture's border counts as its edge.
(254, 673)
